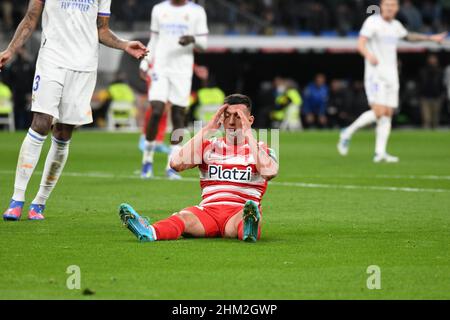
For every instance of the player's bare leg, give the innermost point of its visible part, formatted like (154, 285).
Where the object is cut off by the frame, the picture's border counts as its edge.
(28, 158)
(178, 116)
(245, 224)
(54, 165)
(150, 137)
(41, 123)
(192, 225)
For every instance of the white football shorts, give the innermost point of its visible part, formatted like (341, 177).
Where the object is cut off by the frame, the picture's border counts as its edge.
(382, 93)
(175, 89)
(62, 93)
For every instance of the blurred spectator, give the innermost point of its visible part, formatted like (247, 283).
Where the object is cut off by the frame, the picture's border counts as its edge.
(447, 82)
(410, 102)
(6, 7)
(20, 77)
(343, 18)
(431, 89)
(445, 4)
(359, 101)
(288, 101)
(411, 16)
(317, 18)
(114, 104)
(315, 102)
(130, 9)
(208, 98)
(11, 13)
(339, 104)
(6, 105)
(432, 14)
(269, 20)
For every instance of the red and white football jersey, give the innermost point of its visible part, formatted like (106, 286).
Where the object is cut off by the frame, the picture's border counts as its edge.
(228, 174)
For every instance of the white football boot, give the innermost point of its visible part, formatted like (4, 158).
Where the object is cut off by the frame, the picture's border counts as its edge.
(379, 158)
(343, 145)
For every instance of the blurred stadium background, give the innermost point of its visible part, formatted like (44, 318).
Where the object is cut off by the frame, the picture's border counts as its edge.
(275, 50)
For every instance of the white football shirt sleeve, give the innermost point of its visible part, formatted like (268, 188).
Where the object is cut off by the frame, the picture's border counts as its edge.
(368, 28)
(402, 32)
(151, 46)
(201, 30)
(104, 8)
(201, 26)
(154, 36)
(154, 25)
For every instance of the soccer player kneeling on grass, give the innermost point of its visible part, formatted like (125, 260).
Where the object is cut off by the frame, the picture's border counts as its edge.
(234, 171)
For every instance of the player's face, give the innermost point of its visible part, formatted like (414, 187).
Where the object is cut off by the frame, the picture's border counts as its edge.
(389, 9)
(232, 122)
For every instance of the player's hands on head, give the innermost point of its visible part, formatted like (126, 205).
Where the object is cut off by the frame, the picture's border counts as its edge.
(136, 49)
(186, 40)
(245, 121)
(217, 119)
(5, 56)
(439, 38)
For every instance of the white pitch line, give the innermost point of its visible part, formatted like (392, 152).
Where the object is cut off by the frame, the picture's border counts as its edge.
(355, 187)
(412, 177)
(105, 175)
(379, 176)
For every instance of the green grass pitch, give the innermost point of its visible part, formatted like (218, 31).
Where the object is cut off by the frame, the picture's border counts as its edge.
(327, 219)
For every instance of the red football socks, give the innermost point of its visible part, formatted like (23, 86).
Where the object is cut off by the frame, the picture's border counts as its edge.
(169, 229)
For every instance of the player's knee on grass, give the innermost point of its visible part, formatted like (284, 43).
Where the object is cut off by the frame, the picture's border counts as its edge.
(235, 227)
(193, 226)
(232, 226)
(62, 131)
(231, 231)
(41, 123)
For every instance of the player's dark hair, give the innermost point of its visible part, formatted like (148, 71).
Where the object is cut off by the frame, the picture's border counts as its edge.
(239, 99)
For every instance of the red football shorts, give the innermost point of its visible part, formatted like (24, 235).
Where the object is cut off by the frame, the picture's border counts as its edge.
(215, 218)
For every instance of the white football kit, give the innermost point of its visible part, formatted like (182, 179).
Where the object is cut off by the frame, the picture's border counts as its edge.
(66, 70)
(382, 81)
(173, 63)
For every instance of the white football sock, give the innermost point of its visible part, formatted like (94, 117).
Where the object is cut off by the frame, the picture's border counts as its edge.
(383, 131)
(364, 120)
(149, 151)
(28, 159)
(174, 149)
(54, 165)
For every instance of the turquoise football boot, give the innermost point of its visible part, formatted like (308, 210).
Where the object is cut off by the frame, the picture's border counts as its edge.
(251, 217)
(138, 225)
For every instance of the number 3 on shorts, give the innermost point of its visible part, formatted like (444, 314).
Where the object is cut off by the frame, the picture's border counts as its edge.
(36, 83)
